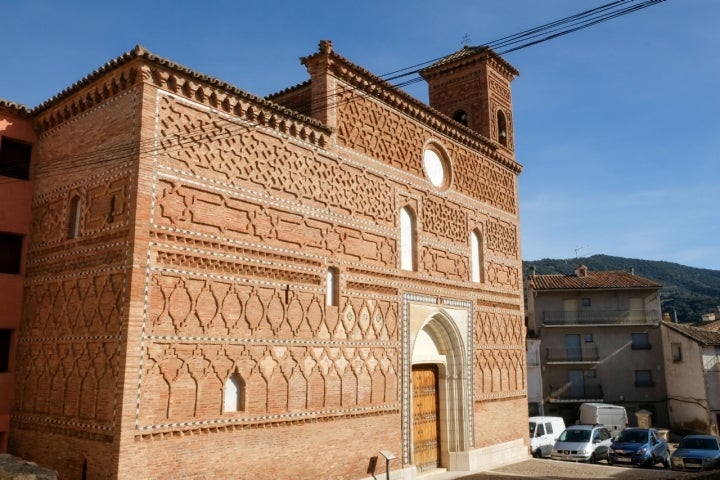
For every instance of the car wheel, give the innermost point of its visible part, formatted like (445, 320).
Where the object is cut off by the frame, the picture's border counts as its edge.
(537, 454)
(592, 458)
(666, 460)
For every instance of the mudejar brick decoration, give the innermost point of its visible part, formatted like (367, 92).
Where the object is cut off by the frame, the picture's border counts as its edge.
(215, 284)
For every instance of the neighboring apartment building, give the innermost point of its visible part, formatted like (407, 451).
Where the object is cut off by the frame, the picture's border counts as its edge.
(536, 401)
(224, 286)
(692, 372)
(16, 139)
(599, 342)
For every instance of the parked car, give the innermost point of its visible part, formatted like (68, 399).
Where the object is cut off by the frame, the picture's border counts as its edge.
(643, 447)
(582, 443)
(544, 432)
(696, 452)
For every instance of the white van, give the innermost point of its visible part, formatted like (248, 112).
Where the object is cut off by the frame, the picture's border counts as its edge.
(613, 417)
(543, 433)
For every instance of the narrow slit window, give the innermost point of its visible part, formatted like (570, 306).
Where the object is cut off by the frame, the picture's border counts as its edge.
(475, 257)
(332, 287)
(234, 394)
(74, 218)
(407, 239)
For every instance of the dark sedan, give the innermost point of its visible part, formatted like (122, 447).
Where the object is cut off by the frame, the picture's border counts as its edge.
(643, 447)
(697, 452)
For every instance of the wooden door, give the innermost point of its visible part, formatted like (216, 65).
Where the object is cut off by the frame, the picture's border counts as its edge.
(426, 427)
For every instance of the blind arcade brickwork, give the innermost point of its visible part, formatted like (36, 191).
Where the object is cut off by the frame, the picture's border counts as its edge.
(185, 240)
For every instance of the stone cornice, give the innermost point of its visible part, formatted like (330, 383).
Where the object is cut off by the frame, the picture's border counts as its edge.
(139, 66)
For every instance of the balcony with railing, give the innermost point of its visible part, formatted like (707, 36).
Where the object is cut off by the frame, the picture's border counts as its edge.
(576, 393)
(600, 317)
(580, 354)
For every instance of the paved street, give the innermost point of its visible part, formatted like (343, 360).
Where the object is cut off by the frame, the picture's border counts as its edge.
(556, 470)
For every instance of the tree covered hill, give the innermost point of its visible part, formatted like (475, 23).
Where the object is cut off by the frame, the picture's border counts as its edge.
(687, 292)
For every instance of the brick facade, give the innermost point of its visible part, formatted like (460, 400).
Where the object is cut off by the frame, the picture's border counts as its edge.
(184, 234)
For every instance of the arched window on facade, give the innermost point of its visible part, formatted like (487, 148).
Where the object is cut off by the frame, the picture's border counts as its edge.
(332, 287)
(407, 239)
(475, 257)
(234, 394)
(73, 227)
(502, 128)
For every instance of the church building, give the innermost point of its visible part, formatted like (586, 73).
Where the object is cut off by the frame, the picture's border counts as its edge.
(322, 283)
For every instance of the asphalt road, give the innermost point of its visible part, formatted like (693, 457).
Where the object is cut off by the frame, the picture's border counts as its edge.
(546, 469)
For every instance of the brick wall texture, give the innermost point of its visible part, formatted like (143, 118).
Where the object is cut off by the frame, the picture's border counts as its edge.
(206, 221)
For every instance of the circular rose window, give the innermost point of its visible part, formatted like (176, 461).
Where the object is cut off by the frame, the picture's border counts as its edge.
(435, 168)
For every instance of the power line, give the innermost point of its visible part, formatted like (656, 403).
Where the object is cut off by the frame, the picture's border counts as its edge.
(539, 34)
(511, 43)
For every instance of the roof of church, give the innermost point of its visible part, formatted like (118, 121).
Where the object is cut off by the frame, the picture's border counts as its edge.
(617, 279)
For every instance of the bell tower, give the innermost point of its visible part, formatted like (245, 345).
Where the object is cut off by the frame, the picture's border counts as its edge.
(472, 86)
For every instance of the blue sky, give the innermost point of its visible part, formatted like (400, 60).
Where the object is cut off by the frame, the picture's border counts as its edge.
(617, 126)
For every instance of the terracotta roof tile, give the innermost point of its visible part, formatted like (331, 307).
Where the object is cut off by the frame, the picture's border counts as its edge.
(16, 108)
(701, 335)
(593, 280)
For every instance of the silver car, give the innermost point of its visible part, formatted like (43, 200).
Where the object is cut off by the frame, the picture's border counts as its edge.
(696, 452)
(582, 443)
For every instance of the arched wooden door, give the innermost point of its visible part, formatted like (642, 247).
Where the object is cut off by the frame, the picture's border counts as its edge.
(426, 425)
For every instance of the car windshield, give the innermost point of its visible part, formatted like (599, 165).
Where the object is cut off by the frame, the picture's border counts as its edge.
(632, 436)
(698, 443)
(532, 429)
(575, 436)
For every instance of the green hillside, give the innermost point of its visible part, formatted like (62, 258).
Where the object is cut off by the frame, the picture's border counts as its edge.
(687, 292)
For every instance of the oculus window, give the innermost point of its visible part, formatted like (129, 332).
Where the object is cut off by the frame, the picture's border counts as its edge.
(436, 168)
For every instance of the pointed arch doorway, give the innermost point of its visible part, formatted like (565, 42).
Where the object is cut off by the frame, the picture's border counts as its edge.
(440, 408)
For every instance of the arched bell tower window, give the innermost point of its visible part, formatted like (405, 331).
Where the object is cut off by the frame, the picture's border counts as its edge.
(407, 239)
(461, 117)
(502, 128)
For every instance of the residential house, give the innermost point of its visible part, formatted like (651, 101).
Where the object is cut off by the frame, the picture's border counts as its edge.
(692, 373)
(300, 286)
(599, 342)
(16, 139)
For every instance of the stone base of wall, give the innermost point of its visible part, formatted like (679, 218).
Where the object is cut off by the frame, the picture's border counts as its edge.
(12, 468)
(487, 458)
(478, 460)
